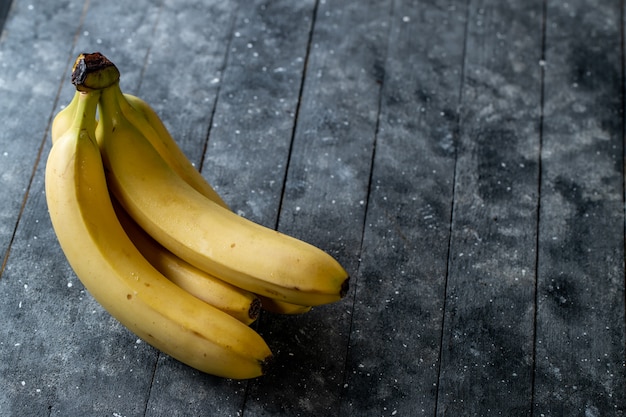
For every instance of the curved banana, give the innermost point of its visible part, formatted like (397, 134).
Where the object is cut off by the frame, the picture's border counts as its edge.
(148, 122)
(145, 119)
(203, 233)
(121, 280)
(241, 304)
(280, 307)
(64, 118)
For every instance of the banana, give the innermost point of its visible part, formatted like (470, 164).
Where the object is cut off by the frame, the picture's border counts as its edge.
(203, 233)
(280, 307)
(144, 118)
(239, 303)
(148, 122)
(121, 279)
(64, 118)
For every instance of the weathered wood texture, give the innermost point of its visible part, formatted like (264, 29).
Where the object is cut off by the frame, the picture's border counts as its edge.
(463, 159)
(580, 285)
(487, 342)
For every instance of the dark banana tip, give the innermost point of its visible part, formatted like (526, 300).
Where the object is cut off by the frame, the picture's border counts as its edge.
(345, 286)
(94, 71)
(255, 309)
(266, 364)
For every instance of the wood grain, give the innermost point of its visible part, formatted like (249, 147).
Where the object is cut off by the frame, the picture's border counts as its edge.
(462, 159)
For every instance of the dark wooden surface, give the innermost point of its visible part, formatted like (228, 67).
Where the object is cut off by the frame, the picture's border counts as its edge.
(463, 159)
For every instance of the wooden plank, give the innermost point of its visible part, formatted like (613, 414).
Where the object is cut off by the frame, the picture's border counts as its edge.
(324, 200)
(183, 70)
(250, 138)
(487, 347)
(62, 353)
(581, 338)
(32, 40)
(396, 322)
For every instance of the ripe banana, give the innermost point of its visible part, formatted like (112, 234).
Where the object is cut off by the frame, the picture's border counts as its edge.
(241, 304)
(95, 71)
(145, 119)
(148, 122)
(64, 118)
(280, 307)
(119, 277)
(202, 232)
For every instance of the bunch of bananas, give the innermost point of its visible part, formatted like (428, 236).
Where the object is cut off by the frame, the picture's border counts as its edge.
(157, 247)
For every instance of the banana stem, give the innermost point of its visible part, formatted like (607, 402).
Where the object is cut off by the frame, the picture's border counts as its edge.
(94, 72)
(85, 115)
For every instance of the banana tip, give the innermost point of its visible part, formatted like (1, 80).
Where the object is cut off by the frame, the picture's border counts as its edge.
(266, 364)
(255, 309)
(345, 286)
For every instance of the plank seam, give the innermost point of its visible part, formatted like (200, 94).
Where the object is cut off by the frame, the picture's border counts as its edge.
(146, 58)
(623, 126)
(538, 214)
(221, 73)
(452, 205)
(354, 284)
(5, 8)
(297, 112)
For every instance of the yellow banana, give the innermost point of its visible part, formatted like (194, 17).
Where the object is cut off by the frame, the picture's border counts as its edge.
(120, 279)
(145, 119)
(280, 307)
(241, 304)
(204, 233)
(64, 118)
(148, 122)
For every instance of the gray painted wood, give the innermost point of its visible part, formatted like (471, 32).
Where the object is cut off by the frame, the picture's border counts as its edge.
(393, 356)
(250, 138)
(463, 160)
(324, 200)
(31, 35)
(487, 344)
(580, 287)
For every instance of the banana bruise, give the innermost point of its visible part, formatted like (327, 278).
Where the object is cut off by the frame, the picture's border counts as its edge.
(121, 279)
(203, 233)
(239, 303)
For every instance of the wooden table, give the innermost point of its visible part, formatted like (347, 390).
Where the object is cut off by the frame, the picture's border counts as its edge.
(464, 160)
